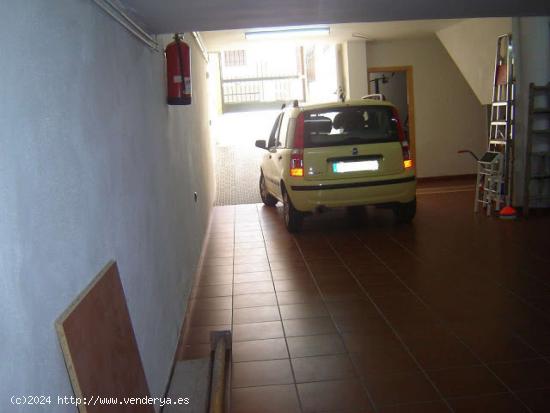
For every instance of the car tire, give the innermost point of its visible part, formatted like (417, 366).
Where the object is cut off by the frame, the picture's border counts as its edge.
(267, 198)
(405, 212)
(292, 217)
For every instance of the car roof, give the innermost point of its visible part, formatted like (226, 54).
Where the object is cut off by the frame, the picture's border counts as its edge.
(294, 111)
(348, 103)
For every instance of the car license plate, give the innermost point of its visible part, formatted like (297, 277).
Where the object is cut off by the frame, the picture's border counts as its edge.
(358, 166)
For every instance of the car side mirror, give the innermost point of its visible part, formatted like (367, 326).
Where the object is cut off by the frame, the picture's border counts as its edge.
(261, 144)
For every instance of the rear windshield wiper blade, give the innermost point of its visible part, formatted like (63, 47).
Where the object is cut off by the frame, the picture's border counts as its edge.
(377, 139)
(353, 139)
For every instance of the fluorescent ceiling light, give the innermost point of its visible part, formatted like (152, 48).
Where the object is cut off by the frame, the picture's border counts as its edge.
(287, 32)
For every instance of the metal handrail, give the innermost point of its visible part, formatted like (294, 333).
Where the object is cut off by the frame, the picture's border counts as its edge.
(219, 388)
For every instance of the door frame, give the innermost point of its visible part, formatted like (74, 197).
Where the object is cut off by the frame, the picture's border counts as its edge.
(410, 99)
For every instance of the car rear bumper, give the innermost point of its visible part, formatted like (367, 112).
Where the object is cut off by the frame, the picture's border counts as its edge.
(309, 197)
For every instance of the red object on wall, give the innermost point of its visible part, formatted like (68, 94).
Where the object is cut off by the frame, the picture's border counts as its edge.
(178, 72)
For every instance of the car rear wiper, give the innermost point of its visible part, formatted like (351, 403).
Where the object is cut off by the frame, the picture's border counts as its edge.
(353, 140)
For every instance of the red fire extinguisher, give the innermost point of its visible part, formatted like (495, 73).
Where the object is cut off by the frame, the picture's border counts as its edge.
(178, 72)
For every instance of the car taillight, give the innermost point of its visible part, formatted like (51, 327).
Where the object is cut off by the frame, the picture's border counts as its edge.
(407, 159)
(297, 154)
(297, 163)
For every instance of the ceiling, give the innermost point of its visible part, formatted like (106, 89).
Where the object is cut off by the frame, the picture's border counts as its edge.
(232, 39)
(168, 16)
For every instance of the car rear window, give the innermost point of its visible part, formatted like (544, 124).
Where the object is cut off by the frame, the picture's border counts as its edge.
(354, 125)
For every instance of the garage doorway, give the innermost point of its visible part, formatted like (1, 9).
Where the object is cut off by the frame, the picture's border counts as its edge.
(252, 85)
(396, 84)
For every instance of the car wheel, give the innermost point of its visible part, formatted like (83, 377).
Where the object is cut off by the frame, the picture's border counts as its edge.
(293, 218)
(267, 198)
(404, 213)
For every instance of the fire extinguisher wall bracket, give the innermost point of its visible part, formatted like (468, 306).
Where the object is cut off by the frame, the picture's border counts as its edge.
(178, 72)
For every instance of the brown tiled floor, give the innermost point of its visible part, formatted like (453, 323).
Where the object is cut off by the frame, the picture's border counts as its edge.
(449, 314)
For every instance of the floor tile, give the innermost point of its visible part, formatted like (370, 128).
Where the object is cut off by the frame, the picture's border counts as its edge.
(400, 388)
(206, 280)
(338, 292)
(252, 277)
(377, 278)
(297, 297)
(332, 395)
(362, 324)
(494, 344)
(254, 300)
(241, 245)
(538, 338)
(290, 274)
(212, 303)
(319, 368)
(251, 252)
(406, 309)
(288, 256)
(452, 309)
(322, 263)
(390, 288)
(495, 403)
(217, 270)
(208, 262)
(287, 265)
(265, 399)
(524, 375)
(257, 331)
(378, 354)
(315, 345)
(251, 259)
(261, 373)
(244, 268)
(253, 287)
(423, 407)
(256, 350)
(256, 314)
(219, 252)
(305, 310)
(213, 291)
(361, 307)
(336, 270)
(301, 284)
(440, 351)
(466, 381)
(308, 326)
(536, 400)
(210, 317)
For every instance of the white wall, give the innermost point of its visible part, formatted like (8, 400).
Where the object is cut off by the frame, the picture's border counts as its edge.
(448, 116)
(355, 69)
(93, 166)
(472, 45)
(532, 50)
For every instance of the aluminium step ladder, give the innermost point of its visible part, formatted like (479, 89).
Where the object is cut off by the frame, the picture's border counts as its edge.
(494, 184)
(490, 179)
(537, 152)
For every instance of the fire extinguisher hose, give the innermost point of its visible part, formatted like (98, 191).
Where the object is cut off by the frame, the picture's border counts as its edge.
(180, 62)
